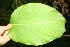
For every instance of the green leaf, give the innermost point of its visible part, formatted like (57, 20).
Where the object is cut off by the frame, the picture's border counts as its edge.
(36, 24)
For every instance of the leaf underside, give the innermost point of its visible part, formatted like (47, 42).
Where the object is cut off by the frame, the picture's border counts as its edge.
(36, 24)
